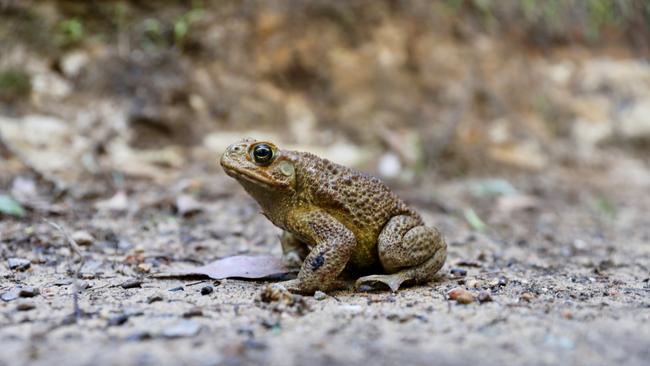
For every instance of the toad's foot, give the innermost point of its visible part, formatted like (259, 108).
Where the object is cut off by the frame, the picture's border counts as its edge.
(291, 285)
(393, 281)
(408, 251)
(297, 287)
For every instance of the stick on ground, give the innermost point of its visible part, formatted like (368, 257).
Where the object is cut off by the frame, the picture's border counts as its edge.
(75, 280)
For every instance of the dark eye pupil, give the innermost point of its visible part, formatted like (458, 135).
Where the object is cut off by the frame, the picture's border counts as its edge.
(262, 153)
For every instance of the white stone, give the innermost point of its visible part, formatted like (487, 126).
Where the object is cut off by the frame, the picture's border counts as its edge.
(51, 85)
(73, 63)
(389, 165)
(635, 121)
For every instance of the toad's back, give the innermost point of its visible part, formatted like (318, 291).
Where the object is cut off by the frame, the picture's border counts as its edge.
(361, 202)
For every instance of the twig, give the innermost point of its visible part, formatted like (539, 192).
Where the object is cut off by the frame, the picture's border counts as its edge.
(196, 283)
(75, 283)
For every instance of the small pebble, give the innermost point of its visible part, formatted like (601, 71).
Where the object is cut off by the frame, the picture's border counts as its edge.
(195, 311)
(484, 296)
(139, 336)
(499, 282)
(613, 292)
(320, 295)
(526, 297)
(132, 283)
(458, 272)
(9, 296)
(461, 296)
(154, 298)
(63, 282)
(473, 283)
(207, 290)
(502, 281)
(19, 264)
(20, 291)
(25, 306)
(144, 267)
(83, 238)
(175, 289)
(118, 320)
(28, 291)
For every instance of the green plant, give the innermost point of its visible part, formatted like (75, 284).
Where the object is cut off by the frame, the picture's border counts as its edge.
(9, 206)
(14, 83)
(182, 26)
(71, 31)
(154, 37)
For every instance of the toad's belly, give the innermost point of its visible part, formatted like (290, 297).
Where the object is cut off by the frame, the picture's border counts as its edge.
(364, 258)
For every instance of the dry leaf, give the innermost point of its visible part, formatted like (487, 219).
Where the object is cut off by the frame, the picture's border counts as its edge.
(242, 266)
(119, 202)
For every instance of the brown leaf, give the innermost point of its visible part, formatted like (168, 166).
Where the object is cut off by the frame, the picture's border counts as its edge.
(241, 266)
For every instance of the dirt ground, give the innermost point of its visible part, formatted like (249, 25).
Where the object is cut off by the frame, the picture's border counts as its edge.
(566, 272)
(520, 129)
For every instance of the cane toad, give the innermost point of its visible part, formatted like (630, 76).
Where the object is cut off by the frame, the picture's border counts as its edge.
(336, 222)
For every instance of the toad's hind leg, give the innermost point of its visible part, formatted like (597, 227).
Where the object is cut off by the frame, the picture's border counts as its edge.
(408, 251)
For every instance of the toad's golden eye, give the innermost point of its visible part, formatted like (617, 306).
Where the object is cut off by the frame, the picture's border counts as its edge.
(262, 154)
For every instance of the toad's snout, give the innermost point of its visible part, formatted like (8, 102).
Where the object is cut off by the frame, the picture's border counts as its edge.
(233, 153)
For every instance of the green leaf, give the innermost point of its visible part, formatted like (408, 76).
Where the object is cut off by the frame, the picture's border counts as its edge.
(72, 30)
(180, 29)
(9, 206)
(605, 206)
(475, 222)
(491, 188)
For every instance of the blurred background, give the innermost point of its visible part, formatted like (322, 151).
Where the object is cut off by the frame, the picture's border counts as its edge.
(404, 89)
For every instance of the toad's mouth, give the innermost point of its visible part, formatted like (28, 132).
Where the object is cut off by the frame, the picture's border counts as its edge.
(244, 175)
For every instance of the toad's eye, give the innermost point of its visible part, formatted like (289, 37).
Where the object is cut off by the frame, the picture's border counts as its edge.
(263, 154)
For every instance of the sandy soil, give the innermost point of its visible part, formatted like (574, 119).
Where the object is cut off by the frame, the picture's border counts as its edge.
(544, 127)
(567, 275)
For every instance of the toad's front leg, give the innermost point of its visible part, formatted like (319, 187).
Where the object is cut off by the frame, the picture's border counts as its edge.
(333, 247)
